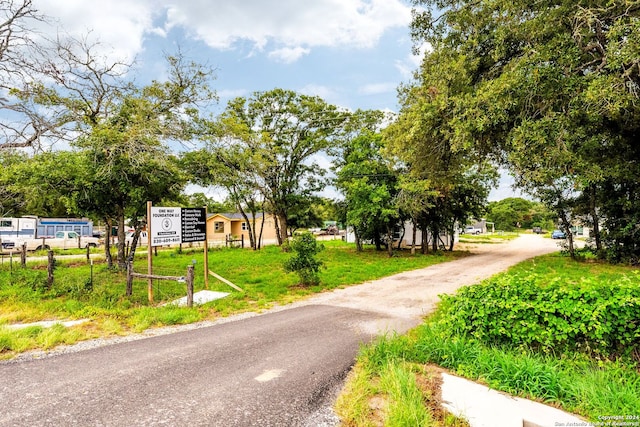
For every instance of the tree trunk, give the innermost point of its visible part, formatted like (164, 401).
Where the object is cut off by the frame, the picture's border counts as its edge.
(595, 219)
(107, 243)
(250, 228)
(424, 246)
(259, 237)
(284, 226)
(404, 231)
(358, 240)
(277, 226)
(452, 234)
(134, 245)
(378, 241)
(435, 237)
(390, 241)
(413, 237)
(566, 225)
(122, 260)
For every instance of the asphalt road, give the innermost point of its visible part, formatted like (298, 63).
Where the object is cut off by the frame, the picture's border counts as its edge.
(282, 368)
(272, 370)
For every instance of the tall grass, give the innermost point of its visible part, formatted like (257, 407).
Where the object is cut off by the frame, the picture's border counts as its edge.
(572, 377)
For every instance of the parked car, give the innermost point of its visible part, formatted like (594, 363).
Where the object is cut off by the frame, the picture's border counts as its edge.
(142, 240)
(537, 230)
(470, 229)
(557, 234)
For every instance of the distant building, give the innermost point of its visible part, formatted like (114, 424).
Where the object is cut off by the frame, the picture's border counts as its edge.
(404, 236)
(222, 226)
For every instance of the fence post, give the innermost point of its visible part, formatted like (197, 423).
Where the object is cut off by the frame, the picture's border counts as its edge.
(50, 266)
(23, 255)
(88, 253)
(190, 277)
(129, 278)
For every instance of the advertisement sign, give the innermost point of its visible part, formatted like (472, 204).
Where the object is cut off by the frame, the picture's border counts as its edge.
(177, 225)
(166, 226)
(194, 225)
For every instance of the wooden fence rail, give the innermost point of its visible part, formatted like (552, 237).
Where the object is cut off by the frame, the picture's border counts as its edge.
(189, 279)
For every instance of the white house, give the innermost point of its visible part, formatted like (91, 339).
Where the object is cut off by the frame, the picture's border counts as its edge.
(405, 238)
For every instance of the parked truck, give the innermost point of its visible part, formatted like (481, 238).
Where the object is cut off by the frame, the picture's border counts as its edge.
(61, 240)
(43, 233)
(470, 229)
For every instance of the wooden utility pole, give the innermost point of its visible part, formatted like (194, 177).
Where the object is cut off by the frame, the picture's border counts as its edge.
(190, 277)
(50, 267)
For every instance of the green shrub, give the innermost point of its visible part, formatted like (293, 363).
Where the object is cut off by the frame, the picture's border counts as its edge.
(304, 262)
(596, 317)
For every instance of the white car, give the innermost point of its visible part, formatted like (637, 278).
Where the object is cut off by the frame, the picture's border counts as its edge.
(470, 229)
(142, 240)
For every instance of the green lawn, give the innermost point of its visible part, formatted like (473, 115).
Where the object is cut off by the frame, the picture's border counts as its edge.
(99, 294)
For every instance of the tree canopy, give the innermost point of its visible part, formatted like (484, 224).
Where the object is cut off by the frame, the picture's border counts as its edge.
(263, 149)
(550, 89)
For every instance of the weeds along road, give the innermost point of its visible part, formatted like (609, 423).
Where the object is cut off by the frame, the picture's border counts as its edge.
(282, 368)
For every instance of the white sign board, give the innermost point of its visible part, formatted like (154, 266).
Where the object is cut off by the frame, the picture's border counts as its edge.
(166, 226)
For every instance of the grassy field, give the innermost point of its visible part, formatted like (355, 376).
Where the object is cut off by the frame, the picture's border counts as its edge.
(552, 330)
(96, 293)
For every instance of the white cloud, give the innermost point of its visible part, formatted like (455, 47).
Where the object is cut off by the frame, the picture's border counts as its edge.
(378, 88)
(119, 25)
(323, 92)
(288, 55)
(506, 188)
(289, 28)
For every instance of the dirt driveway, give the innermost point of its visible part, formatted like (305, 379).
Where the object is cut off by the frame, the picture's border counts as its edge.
(403, 299)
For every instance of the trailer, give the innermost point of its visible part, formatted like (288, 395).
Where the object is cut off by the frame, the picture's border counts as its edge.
(15, 231)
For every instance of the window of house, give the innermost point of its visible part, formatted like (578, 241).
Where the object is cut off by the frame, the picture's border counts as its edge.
(218, 227)
(244, 226)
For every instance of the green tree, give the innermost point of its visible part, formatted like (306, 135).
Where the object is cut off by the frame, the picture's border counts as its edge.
(277, 134)
(44, 183)
(370, 188)
(127, 152)
(304, 214)
(12, 198)
(120, 132)
(304, 261)
(454, 180)
(229, 166)
(516, 212)
(551, 89)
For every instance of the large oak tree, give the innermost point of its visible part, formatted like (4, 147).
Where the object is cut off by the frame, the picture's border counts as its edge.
(551, 89)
